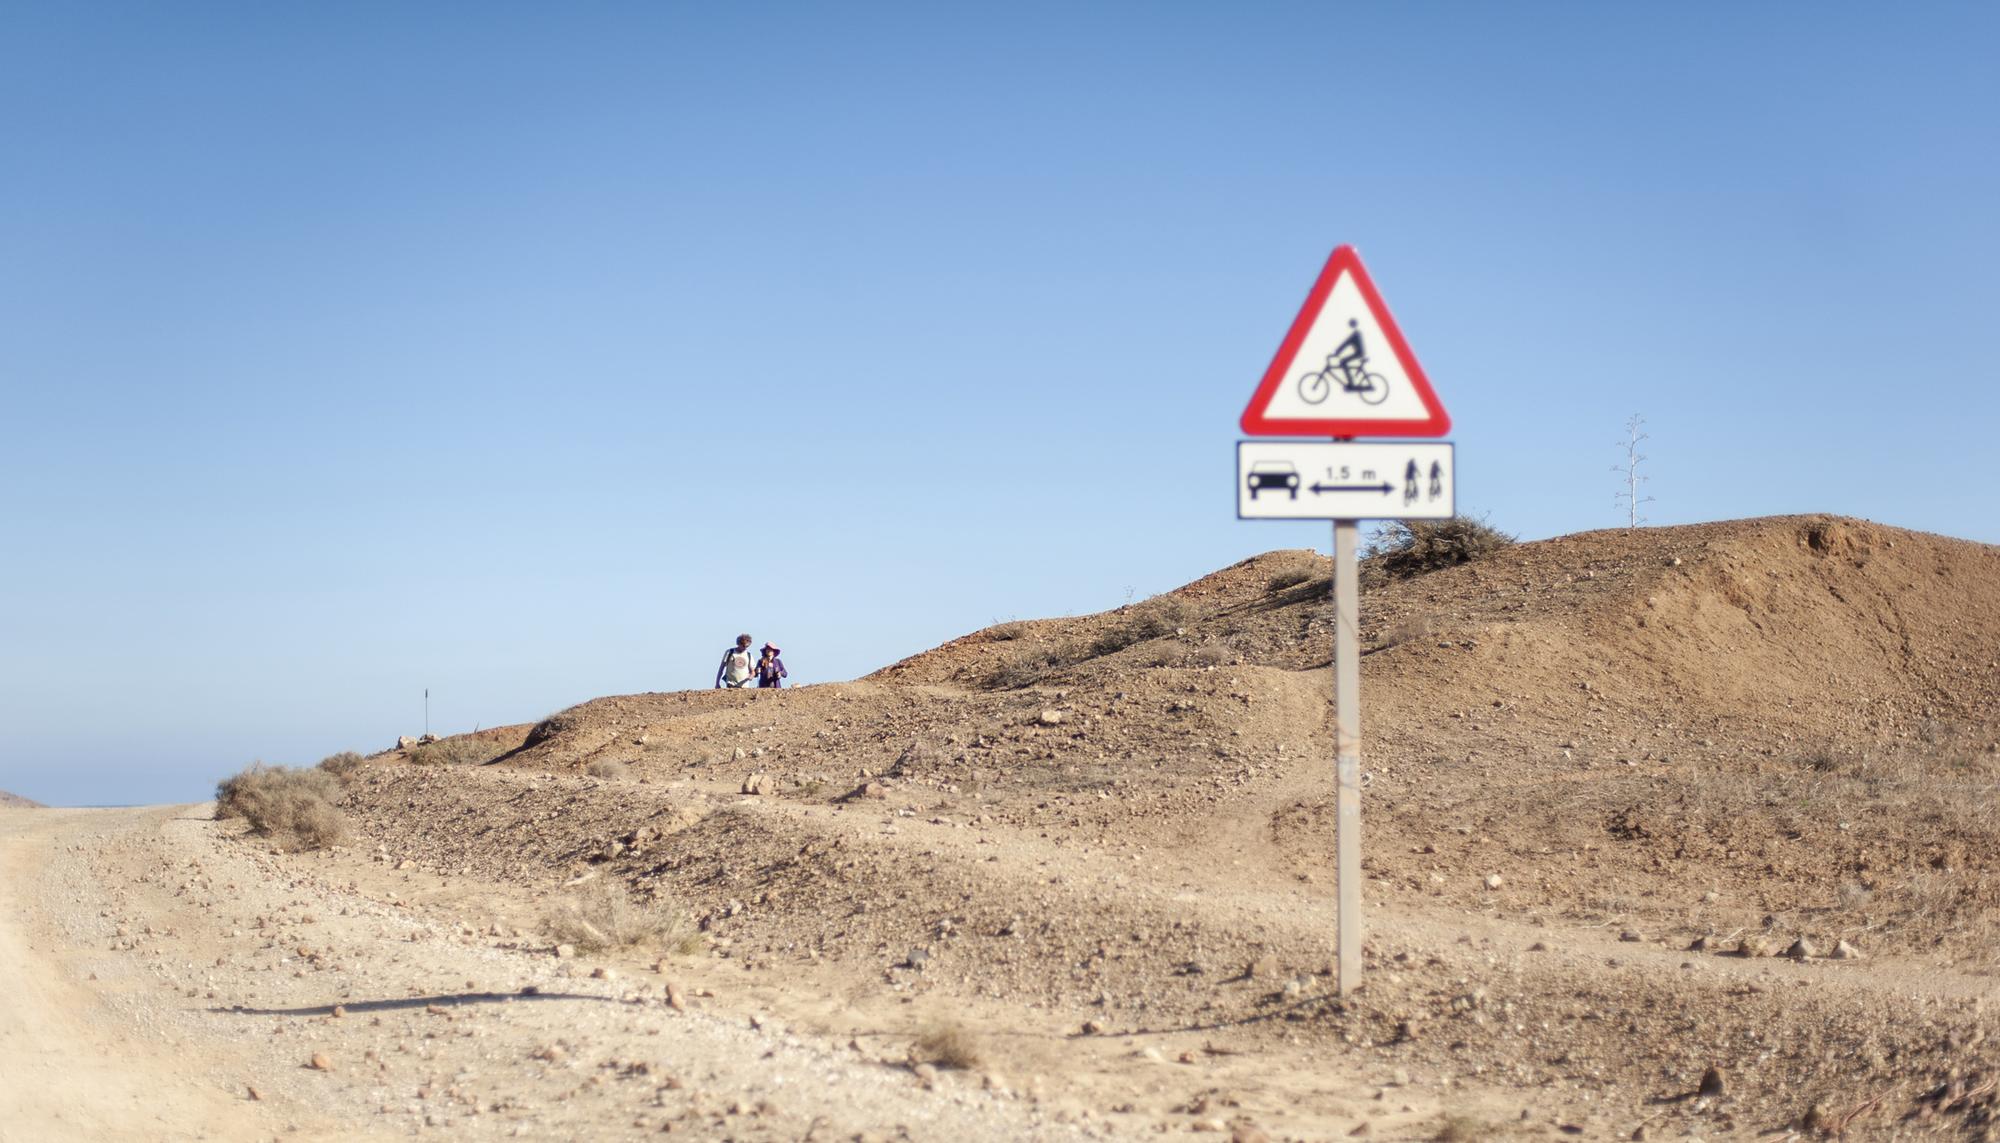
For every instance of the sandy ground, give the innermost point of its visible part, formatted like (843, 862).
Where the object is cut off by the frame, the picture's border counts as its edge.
(172, 983)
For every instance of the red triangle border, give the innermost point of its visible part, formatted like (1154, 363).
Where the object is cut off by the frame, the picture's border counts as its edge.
(1343, 260)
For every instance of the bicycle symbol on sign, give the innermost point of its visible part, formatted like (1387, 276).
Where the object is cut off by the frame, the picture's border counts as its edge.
(1346, 366)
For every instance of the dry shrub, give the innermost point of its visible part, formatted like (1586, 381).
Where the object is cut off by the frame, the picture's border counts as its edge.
(462, 750)
(606, 768)
(1150, 620)
(1407, 630)
(1212, 655)
(602, 915)
(343, 765)
(947, 1045)
(1412, 547)
(1028, 669)
(294, 808)
(1006, 632)
(1291, 578)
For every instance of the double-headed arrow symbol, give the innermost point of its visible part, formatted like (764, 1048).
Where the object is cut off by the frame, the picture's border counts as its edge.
(1384, 488)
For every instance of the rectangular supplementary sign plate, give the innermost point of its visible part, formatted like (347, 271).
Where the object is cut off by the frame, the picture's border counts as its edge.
(1344, 480)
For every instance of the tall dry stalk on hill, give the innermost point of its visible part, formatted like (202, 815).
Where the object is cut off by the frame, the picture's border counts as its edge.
(1629, 496)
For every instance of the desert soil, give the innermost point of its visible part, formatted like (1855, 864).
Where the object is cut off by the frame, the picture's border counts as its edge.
(1072, 878)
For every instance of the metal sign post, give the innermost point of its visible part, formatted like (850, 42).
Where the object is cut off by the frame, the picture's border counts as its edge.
(1347, 750)
(1344, 371)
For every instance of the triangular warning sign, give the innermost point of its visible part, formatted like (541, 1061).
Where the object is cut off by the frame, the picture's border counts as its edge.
(1344, 369)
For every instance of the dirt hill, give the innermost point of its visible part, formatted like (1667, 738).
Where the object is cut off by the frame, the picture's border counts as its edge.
(1608, 775)
(16, 800)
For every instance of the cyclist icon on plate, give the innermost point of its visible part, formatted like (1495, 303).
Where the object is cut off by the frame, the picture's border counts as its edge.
(1346, 366)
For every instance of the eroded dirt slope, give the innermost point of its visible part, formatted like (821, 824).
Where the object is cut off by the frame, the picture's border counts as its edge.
(1585, 755)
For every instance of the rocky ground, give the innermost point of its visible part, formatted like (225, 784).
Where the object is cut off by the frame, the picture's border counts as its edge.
(1689, 832)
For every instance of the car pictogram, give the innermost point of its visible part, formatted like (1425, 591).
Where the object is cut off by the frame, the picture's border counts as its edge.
(1270, 474)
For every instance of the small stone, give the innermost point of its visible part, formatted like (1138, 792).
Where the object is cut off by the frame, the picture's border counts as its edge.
(339, 1010)
(1051, 718)
(916, 958)
(758, 783)
(1711, 1082)
(602, 973)
(676, 999)
(1801, 949)
(737, 755)
(565, 952)
(1844, 951)
(1700, 944)
(1630, 936)
(319, 1063)
(1091, 1028)
(1248, 1133)
(1753, 947)
(1493, 881)
(251, 1091)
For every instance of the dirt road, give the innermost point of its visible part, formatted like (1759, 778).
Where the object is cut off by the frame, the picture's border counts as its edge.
(166, 981)
(77, 1066)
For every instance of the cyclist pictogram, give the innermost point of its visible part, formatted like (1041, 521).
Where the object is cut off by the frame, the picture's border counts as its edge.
(1346, 366)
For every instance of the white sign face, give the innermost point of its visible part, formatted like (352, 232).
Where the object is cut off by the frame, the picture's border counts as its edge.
(1344, 480)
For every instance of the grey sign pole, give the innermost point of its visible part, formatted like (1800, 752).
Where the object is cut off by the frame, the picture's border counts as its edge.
(1347, 750)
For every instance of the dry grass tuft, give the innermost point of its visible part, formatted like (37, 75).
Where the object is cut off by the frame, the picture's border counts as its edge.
(294, 808)
(602, 915)
(1461, 1128)
(607, 768)
(947, 1045)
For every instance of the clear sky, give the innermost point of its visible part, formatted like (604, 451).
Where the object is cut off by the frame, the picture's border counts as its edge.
(528, 353)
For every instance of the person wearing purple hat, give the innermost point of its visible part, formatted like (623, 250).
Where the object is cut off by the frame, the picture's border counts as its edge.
(770, 668)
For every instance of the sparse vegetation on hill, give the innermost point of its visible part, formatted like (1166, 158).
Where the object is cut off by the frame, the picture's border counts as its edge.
(1412, 547)
(296, 808)
(1616, 773)
(458, 750)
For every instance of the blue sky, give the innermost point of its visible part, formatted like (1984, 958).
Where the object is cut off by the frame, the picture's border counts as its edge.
(529, 352)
